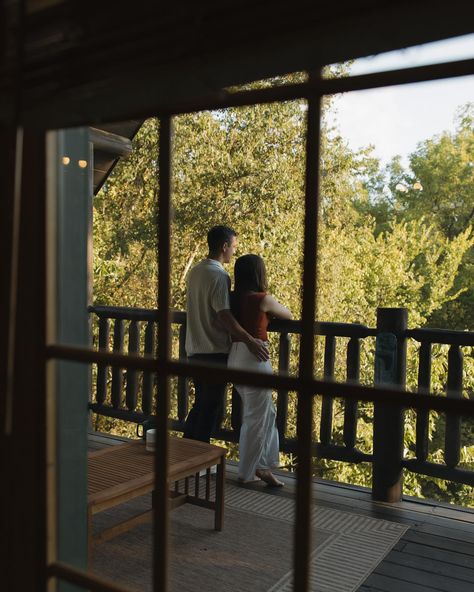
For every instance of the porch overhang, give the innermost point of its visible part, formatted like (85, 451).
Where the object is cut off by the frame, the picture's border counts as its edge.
(87, 63)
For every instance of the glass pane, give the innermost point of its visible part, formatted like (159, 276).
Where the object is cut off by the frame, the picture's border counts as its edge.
(243, 168)
(226, 169)
(395, 253)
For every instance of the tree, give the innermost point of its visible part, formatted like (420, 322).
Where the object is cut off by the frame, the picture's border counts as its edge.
(438, 187)
(125, 271)
(440, 182)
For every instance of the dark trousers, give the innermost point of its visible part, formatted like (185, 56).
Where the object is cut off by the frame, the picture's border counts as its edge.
(209, 399)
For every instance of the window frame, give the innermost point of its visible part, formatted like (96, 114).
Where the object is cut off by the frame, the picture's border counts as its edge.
(305, 385)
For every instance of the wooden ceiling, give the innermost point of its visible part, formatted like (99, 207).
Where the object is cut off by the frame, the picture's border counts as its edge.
(79, 62)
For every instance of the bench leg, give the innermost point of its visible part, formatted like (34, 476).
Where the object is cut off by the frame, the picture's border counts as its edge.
(219, 511)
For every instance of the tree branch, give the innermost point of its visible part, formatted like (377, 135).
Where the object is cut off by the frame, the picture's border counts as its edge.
(131, 271)
(188, 265)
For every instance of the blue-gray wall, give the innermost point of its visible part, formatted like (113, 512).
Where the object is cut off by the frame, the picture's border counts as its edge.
(74, 202)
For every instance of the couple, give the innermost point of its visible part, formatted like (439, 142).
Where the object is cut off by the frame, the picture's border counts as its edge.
(224, 328)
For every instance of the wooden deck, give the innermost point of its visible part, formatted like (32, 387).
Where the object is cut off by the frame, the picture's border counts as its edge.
(435, 554)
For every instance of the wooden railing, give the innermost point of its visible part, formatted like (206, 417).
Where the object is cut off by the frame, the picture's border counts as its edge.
(454, 388)
(129, 395)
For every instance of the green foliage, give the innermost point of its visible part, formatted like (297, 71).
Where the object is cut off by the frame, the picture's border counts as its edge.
(125, 270)
(377, 247)
(438, 187)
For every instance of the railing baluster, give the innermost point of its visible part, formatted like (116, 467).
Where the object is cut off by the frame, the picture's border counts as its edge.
(117, 373)
(222, 410)
(101, 392)
(132, 382)
(350, 407)
(148, 377)
(282, 396)
(196, 485)
(183, 382)
(236, 412)
(452, 448)
(422, 415)
(327, 403)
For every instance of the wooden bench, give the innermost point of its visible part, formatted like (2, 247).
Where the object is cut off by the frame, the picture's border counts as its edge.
(120, 473)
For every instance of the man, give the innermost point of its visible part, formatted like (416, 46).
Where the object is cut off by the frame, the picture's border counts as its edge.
(209, 328)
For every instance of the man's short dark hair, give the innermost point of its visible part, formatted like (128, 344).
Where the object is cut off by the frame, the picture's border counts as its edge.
(217, 236)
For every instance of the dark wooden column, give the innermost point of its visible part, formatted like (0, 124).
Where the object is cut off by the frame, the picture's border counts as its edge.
(7, 182)
(23, 432)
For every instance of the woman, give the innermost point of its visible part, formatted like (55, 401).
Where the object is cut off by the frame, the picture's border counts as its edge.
(252, 307)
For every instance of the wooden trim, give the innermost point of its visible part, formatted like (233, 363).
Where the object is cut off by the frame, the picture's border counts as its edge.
(223, 100)
(305, 385)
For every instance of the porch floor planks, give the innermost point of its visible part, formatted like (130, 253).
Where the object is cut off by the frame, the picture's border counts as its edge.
(435, 567)
(408, 512)
(424, 567)
(436, 554)
(411, 513)
(408, 576)
(443, 543)
(458, 559)
(382, 583)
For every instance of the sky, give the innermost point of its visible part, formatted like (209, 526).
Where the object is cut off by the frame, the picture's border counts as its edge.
(395, 119)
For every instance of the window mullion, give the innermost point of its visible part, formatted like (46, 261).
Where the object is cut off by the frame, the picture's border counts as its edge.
(303, 527)
(161, 519)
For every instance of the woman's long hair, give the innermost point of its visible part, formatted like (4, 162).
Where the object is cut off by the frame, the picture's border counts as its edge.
(250, 275)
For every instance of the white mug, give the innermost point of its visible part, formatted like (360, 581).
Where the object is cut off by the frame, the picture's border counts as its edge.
(150, 440)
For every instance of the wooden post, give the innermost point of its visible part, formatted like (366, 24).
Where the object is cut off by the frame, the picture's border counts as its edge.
(390, 369)
(282, 396)
(23, 393)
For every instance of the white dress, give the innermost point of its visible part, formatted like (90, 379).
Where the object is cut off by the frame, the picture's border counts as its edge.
(258, 444)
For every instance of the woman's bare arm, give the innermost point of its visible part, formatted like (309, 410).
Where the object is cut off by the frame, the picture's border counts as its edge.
(271, 306)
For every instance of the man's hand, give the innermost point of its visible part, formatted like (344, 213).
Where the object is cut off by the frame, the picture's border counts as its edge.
(256, 346)
(259, 349)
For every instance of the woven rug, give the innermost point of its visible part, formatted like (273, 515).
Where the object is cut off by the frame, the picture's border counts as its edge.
(253, 553)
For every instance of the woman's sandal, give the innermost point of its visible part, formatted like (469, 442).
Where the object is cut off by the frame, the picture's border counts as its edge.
(269, 478)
